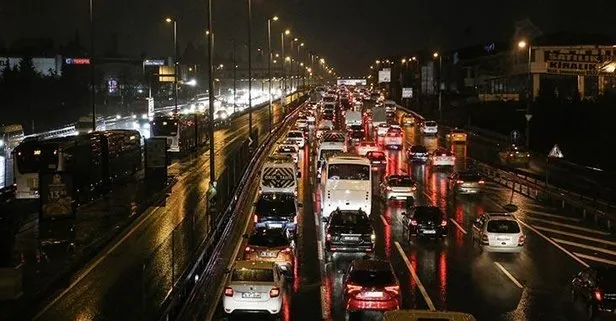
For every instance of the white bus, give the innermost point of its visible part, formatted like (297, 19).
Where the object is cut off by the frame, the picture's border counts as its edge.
(279, 175)
(326, 150)
(10, 137)
(346, 184)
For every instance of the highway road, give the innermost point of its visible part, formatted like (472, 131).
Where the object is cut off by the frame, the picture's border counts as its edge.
(130, 278)
(451, 274)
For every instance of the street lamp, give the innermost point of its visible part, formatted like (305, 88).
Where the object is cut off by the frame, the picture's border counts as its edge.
(175, 62)
(440, 93)
(522, 44)
(284, 77)
(210, 65)
(249, 2)
(92, 86)
(269, 65)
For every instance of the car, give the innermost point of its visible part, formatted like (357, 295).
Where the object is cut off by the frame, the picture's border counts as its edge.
(370, 285)
(407, 120)
(514, 156)
(288, 148)
(271, 245)
(442, 157)
(418, 154)
(398, 187)
(277, 211)
(595, 288)
(393, 138)
(349, 231)
(356, 136)
(297, 136)
(382, 129)
(324, 125)
(429, 127)
(254, 286)
(498, 232)
(377, 159)
(366, 146)
(457, 136)
(302, 124)
(425, 221)
(466, 182)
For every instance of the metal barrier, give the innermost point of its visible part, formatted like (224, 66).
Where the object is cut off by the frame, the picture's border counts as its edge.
(182, 293)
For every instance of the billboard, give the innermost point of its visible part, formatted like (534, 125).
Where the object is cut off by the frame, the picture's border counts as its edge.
(352, 82)
(166, 74)
(407, 92)
(56, 195)
(574, 61)
(385, 75)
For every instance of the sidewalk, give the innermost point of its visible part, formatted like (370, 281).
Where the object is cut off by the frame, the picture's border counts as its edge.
(52, 252)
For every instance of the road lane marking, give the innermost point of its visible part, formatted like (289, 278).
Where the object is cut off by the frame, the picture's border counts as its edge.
(458, 225)
(422, 289)
(428, 196)
(384, 220)
(583, 246)
(540, 213)
(324, 307)
(513, 279)
(588, 238)
(594, 258)
(320, 249)
(554, 243)
(573, 227)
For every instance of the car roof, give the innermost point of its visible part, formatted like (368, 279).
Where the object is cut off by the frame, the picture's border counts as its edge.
(500, 216)
(254, 265)
(371, 265)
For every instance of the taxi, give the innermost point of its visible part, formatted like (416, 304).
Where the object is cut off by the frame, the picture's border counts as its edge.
(457, 136)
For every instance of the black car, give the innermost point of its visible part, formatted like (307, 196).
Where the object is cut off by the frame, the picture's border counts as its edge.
(418, 154)
(425, 221)
(277, 211)
(377, 159)
(349, 231)
(595, 289)
(356, 137)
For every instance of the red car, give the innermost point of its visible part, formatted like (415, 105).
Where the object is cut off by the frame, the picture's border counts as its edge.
(371, 285)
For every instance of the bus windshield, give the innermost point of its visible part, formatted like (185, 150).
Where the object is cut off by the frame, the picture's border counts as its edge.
(33, 159)
(164, 126)
(348, 172)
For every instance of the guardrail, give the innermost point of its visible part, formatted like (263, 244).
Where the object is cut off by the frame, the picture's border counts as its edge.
(535, 186)
(183, 293)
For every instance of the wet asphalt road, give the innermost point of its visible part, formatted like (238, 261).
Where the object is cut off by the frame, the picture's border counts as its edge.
(453, 274)
(132, 277)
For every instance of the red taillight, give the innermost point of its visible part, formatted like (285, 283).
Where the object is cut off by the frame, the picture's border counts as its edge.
(295, 193)
(274, 292)
(228, 291)
(256, 219)
(352, 288)
(413, 222)
(459, 181)
(521, 240)
(444, 223)
(598, 294)
(393, 289)
(249, 249)
(482, 181)
(287, 250)
(388, 188)
(328, 237)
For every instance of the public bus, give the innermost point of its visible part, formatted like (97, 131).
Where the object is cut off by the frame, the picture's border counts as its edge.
(167, 126)
(96, 160)
(346, 184)
(182, 132)
(10, 137)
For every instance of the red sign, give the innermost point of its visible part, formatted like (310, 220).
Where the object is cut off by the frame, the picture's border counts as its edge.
(77, 61)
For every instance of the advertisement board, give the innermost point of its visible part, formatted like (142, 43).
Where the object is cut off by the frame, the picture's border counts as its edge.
(351, 82)
(385, 75)
(56, 195)
(166, 74)
(407, 92)
(576, 61)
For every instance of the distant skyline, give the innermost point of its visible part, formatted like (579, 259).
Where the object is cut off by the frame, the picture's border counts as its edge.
(349, 33)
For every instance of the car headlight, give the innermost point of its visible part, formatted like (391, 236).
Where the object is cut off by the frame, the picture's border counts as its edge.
(373, 237)
(1, 143)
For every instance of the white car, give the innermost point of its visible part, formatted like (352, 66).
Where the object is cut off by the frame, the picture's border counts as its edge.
(429, 127)
(498, 232)
(254, 286)
(301, 123)
(382, 129)
(296, 136)
(393, 138)
(288, 148)
(366, 146)
(442, 157)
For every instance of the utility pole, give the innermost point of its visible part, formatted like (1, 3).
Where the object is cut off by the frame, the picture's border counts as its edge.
(250, 70)
(210, 65)
(92, 85)
(234, 78)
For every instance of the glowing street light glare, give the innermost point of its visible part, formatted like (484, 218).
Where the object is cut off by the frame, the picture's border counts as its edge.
(168, 20)
(435, 54)
(275, 18)
(295, 39)
(287, 58)
(403, 60)
(377, 61)
(322, 60)
(414, 58)
(522, 44)
(287, 32)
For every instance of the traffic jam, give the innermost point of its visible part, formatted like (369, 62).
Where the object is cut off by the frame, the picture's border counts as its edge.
(395, 203)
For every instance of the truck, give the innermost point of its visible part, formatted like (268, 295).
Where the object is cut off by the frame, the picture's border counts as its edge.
(379, 116)
(352, 118)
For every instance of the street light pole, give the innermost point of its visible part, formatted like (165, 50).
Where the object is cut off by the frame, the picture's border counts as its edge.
(284, 77)
(175, 64)
(210, 65)
(234, 78)
(269, 67)
(250, 70)
(529, 89)
(92, 87)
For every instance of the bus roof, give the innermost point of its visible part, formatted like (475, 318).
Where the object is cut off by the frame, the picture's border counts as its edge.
(348, 158)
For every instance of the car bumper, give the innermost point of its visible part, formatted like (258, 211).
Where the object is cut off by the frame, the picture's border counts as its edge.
(448, 163)
(502, 249)
(275, 225)
(350, 248)
(233, 305)
(436, 232)
(353, 305)
(468, 190)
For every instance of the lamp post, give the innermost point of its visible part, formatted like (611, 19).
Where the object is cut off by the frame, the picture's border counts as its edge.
(210, 65)
(440, 93)
(523, 45)
(175, 62)
(269, 66)
(92, 87)
(284, 76)
(249, 2)
(234, 79)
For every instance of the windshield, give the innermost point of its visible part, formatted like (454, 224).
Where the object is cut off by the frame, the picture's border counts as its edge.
(357, 134)
(166, 126)
(257, 275)
(503, 226)
(33, 158)
(430, 123)
(371, 278)
(278, 207)
(295, 135)
(400, 181)
(418, 149)
(329, 99)
(345, 218)
(469, 177)
(268, 239)
(348, 172)
(327, 153)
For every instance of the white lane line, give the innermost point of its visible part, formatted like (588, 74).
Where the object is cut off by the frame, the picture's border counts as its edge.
(502, 269)
(554, 243)
(428, 196)
(457, 225)
(583, 237)
(422, 289)
(146, 217)
(546, 214)
(596, 259)
(320, 250)
(384, 220)
(573, 227)
(324, 307)
(584, 246)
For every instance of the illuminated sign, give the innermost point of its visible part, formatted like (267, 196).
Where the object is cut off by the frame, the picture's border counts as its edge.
(574, 61)
(351, 82)
(385, 75)
(407, 92)
(154, 62)
(77, 61)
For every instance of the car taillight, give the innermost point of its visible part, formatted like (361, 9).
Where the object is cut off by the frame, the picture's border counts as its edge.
(328, 237)
(228, 291)
(388, 188)
(287, 250)
(521, 240)
(598, 294)
(352, 288)
(482, 181)
(413, 222)
(274, 292)
(444, 223)
(256, 218)
(394, 289)
(295, 219)
(249, 249)
(459, 181)
(295, 193)
(484, 239)
(414, 188)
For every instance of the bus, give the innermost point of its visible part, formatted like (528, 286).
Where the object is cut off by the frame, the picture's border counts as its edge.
(182, 132)
(279, 175)
(167, 126)
(84, 124)
(346, 184)
(96, 160)
(10, 137)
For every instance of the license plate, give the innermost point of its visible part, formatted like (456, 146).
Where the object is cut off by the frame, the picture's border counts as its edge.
(249, 295)
(400, 197)
(351, 238)
(268, 254)
(429, 232)
(275, 225)
(374, 294)
(503, 239)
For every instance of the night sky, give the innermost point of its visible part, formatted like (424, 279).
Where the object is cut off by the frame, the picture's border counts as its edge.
(349, 33)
